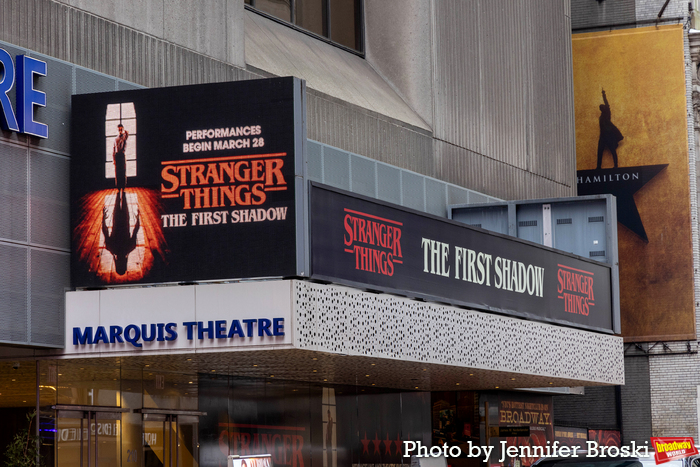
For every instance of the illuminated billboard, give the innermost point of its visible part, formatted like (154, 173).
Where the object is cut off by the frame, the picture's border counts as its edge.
(632, 142)
(188, 183)
(371, 244)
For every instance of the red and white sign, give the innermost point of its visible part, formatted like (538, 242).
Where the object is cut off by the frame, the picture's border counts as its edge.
(668, 449)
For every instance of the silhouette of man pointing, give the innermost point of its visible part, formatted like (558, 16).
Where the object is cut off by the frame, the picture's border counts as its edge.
(610, 135)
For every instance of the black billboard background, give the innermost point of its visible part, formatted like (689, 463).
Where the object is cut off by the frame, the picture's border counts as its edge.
(163, 116)
(331, 262)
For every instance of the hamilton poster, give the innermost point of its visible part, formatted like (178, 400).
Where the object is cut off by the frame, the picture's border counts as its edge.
(632, 141)
(184, 183)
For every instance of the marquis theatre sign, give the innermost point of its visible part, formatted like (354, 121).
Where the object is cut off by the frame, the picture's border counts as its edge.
(370, 244)
(185, 183)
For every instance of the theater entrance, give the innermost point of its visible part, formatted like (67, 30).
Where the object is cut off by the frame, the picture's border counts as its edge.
(88, 436)
(170, 438)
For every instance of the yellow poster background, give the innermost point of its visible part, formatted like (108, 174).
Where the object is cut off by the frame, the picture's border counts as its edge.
(642, 72)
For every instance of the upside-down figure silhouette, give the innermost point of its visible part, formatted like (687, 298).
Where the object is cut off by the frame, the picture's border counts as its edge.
(120, 242)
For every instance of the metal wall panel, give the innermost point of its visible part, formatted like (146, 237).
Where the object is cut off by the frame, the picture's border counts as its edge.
(13, 294)
(360, 131)
(587, 14)
(50, 274)
(503, 96)
(13, 193)
(49, 197)
(360, 174)
(56, 114)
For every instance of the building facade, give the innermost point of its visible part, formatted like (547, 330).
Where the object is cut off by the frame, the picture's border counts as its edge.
(410, 106)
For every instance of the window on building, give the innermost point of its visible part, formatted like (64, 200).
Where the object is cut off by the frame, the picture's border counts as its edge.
(338, 21)
(122, 115)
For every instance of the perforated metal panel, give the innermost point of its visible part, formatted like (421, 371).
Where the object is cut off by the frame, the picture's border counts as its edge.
(13, 293)
(50, 206)
(58, 86)
(435, 199)
(413, 189)
(125, 85)
(336, 168)
(50, 277)
(369, 177)
(87, 81)
(364, 176)
(388, 183)
(13, 193)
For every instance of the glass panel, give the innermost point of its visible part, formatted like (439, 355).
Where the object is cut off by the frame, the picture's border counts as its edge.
(132, 443)
(71, 442)
(277, 8)
(345, 23)
(167, 390)
(106, 429)
(83, 384)
(309, 15)
(187, 441)
(153, 442)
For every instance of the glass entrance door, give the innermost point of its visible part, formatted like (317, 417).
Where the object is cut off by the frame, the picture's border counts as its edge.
(88, 438)
(170, 440)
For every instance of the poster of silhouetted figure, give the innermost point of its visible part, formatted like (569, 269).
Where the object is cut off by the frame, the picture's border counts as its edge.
(119, 157)
(120, 242)
(610, 135)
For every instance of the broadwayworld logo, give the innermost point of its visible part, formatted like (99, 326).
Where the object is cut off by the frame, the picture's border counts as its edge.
(668, 449)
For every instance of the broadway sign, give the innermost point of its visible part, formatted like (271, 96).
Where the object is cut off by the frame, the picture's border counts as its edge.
(185, 183)
(370, 244)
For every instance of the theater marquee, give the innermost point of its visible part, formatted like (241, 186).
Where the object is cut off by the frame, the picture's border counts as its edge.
(187, 183)
(370, 244)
